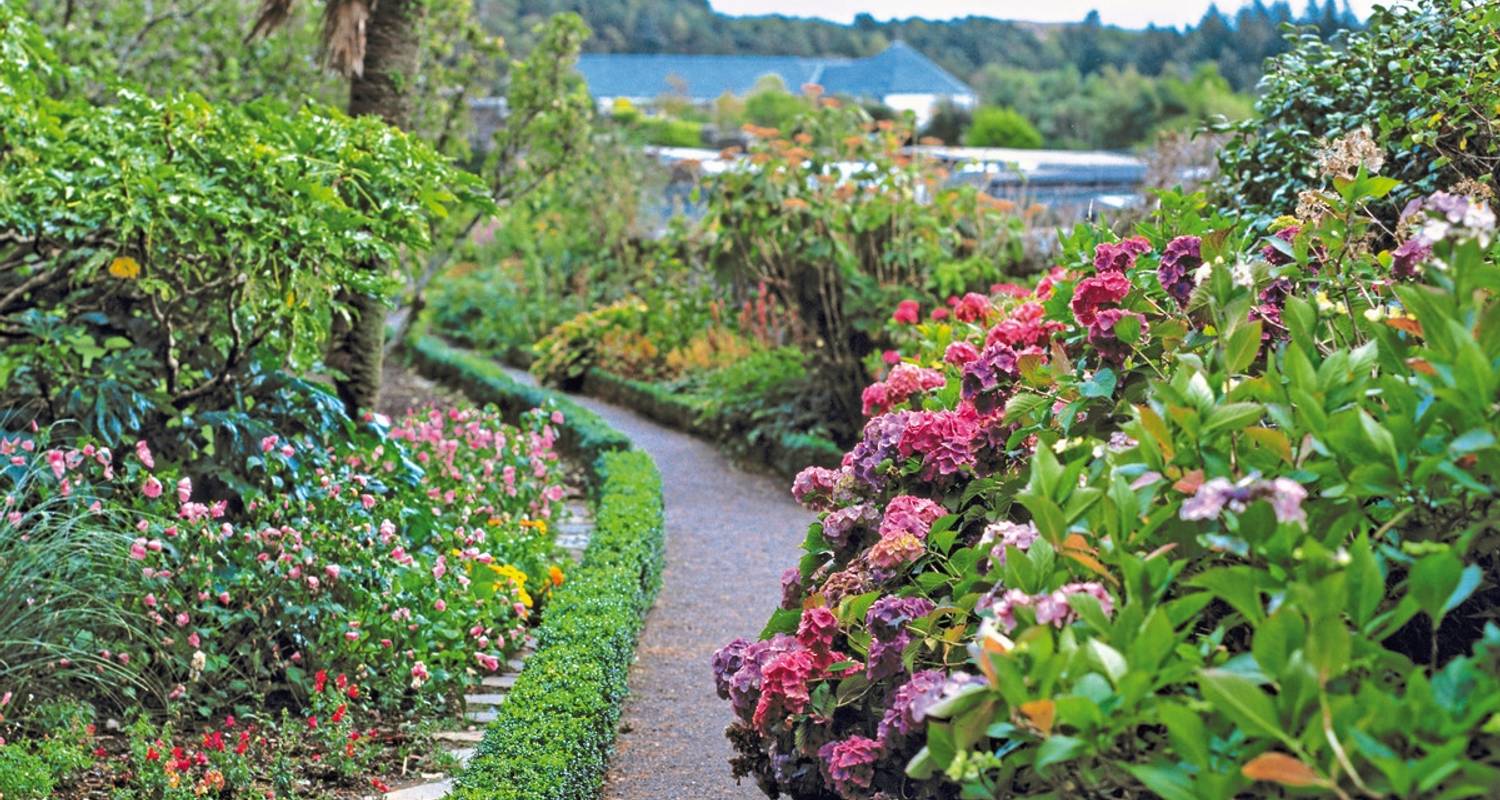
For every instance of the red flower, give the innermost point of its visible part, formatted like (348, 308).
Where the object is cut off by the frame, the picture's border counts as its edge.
(338, 714)
(151, 754)
(973, 308)
(320, 680)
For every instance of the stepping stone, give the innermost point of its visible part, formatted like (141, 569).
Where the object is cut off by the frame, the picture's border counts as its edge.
(515, 664)
(466, 737)
(464, 754)
(494, 699)
(427, 791)
(482, 717)
(506, 681)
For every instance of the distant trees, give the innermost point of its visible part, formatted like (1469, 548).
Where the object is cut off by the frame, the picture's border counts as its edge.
(1002, 127)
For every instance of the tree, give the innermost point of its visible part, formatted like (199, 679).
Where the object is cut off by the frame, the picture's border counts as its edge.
(1002, 127)
(948, 122)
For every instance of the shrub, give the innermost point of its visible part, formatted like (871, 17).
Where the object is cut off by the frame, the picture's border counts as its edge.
(1421, 77)
(1202, 515)
(838, 250)
(1001, 127)
(162, 257)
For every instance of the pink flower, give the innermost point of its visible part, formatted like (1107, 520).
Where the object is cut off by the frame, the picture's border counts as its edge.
(960, 353)
(907, 313)
(440, 605)
(143, 452)
(938, 314)
(58, 462)
(332, 570)
(138, 550)
(557, 418)
(269, 443)
(184, 490)
(974, 307)
(152, 489)
(891, 357)
(182, 619)
(149, 600)
(851, 764)
(1119, 256)
(1095, 292)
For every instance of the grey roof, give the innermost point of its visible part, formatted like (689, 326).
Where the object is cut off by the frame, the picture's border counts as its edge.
(897, 70)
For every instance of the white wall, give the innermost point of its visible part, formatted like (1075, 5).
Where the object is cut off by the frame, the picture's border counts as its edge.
(922, 104)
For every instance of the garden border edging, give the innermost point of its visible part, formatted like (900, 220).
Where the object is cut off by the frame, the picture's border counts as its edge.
(552, 738)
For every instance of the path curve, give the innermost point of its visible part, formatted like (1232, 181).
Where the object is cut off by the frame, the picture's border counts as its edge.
(729, 536)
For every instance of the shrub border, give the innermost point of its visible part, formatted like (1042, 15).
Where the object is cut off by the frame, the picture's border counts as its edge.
(552, 738)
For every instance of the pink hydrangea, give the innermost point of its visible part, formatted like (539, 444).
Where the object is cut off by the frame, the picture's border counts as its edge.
(839, 524)
(960, 353)
(784, 686)
(1213, 496)
(944, 440)
(813, 487)
(1004, 533)
(910, 514)
(1027, 326)
(907, 313)
(974, 307)
(1096, 292)
(1103, 337)
(851, 765)
(896, 551)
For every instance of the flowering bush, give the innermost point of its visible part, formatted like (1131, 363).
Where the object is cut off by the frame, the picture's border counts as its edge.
(1199, 515)
(410, 556)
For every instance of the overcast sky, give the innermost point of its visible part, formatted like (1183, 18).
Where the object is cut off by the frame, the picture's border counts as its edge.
(1125, 13)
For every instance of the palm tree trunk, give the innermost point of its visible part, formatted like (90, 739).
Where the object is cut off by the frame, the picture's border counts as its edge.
(382, 89)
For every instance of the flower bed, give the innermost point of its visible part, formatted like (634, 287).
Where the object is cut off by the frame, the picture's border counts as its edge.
(1205, 513)
(553, 735)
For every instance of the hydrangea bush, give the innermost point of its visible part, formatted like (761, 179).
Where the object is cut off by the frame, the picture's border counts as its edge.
(411, 556)
(1200, 514)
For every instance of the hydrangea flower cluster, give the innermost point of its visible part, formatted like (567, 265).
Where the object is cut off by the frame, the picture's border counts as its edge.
(1213, 496)
(904, 382)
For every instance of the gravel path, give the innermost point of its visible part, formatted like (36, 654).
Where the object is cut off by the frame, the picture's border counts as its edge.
(729, 536)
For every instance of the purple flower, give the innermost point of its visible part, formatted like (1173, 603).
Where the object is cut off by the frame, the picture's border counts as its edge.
(1275, 256)
(813, 487)
(903, 715)
(1003, 534)
(886, 620)
(1119, 256)
(838, 525)
(882, 435)
(851, 765)
(1179, 260)
(791, 589)
(1213, 496)
(1406, 258)
(993, 370)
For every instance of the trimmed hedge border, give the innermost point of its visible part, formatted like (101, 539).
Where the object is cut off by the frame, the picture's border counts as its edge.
(554, 734)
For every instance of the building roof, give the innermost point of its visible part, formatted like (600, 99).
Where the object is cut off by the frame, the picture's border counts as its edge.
(898, 70)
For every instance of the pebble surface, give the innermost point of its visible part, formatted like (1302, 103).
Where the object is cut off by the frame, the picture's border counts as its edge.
(729, 536)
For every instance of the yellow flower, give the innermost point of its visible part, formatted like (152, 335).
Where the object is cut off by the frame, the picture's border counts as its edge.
(125, 268)
(539, 524)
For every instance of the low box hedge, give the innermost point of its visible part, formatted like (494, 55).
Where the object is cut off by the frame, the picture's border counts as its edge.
(553, 736)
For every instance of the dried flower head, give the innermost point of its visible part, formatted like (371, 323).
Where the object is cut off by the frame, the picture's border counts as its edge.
(1343, 157)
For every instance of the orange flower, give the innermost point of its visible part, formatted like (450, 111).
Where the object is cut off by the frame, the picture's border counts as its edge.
(555, 574)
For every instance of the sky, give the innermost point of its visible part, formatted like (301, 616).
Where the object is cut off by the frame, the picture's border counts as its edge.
(1124, 13)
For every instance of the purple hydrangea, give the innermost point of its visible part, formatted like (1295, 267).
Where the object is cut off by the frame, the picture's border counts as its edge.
(1003, 534)
(1272, 254)
(1119, 256)
(838, 525)
(903, 715)
(1213, 496)
(1181, 257)
(993, 370)
(813, 487)
(1408, 257)
(737, 669)
(791, 590)
(886, 620)
(882, 436)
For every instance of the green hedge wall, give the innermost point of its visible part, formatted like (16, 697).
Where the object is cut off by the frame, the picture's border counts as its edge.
(554, 733)
(552, 738)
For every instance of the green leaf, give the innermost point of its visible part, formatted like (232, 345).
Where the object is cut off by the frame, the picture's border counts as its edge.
(1232, 416)
(1242, 348)
(1186, 732)
(1102, 383)
(1058, 749)
(1168, 781)
(1243, 702)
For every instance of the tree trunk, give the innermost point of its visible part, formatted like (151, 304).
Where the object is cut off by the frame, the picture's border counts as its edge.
(382, 89)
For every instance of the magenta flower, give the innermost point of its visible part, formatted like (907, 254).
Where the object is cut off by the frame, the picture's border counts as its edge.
(960, 353)
(1093, 293)
(1408, 257)
(1119, 256)
(152, 488)
(1103, 337)
(851, 765)
(974, 307)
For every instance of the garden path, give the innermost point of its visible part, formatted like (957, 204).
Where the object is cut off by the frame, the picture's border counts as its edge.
(729, 536)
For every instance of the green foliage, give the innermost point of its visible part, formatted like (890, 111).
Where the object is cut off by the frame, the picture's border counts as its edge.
(770, 105)
(1001, 127)
(553, 737)
(668, 132)
(162, 256)
(32, 769)
(1423, 78)
(837, 250)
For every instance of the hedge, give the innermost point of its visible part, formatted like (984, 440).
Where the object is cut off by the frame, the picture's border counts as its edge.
(553, 735)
